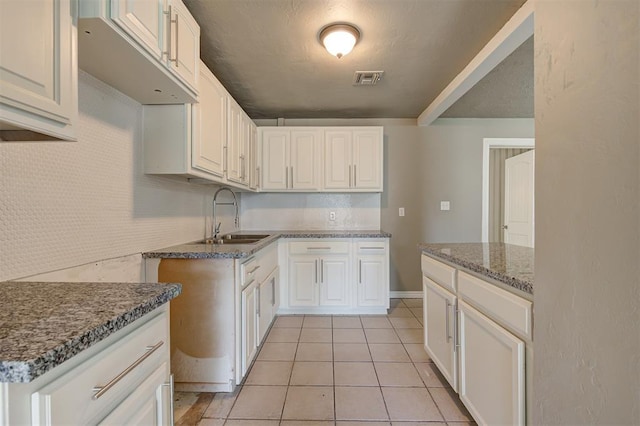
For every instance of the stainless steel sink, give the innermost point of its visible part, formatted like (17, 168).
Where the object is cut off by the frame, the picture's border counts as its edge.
(237, 239)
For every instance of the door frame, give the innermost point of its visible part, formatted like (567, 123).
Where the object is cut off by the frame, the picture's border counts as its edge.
(487, 144)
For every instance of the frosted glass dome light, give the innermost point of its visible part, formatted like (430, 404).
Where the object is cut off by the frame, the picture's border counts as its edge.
(339, 39)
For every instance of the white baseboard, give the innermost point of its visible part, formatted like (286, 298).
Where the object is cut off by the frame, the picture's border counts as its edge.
(405, 294)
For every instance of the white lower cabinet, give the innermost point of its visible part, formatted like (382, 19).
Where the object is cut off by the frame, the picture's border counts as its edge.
(439, 328)
(267, 303)
(342, 277)
(478, 335)
(489, 354)
(124, 379)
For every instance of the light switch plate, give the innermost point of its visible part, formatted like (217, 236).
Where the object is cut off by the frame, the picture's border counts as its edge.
(401, 211)
(332, 216)
(445, 205)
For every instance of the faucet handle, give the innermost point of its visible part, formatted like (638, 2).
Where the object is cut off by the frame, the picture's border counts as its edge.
(218, 227)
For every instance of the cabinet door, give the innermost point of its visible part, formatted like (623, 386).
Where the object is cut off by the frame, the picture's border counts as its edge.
(372, 283)
(303, 279)
(303, 159)
(367, 159)
(275, 159)
(142, 20)
(254, 158)
(146, 405)
(265, 307)
(439, 329)
(184, 44)
(491, 370)
(245, 142)
(334, 288)
(249, 325)
(210, 125)
(38, 66)
(234, 141)
(337, 159)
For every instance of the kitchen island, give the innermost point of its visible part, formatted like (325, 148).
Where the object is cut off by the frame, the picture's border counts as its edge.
(478, 325)
(63, 345)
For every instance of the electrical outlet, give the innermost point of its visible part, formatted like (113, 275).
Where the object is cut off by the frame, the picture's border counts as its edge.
(445, 205)
(401, 211)
(332, 216)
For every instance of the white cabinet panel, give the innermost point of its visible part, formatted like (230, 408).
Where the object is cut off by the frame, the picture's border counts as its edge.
(304, 161)
(439, 329)
(337, 164)
(290, 159)
(372, 280)
(275, 172)
(303, 278)
(38, 69)
(334, 285)
(144, 21)
(265, 307)
(367, 159)
(209, 124)
(184, 42)
(491, 370)
(249, 325)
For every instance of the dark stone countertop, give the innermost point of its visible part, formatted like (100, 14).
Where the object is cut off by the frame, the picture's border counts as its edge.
(44, 324)
(199, 250)
(509, 264)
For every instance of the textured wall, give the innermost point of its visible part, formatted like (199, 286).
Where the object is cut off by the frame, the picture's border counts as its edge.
(587, 315)
(64, 204)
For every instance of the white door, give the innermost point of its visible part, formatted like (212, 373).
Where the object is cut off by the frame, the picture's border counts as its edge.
(337, 159)
(142, 20)
(519, 199)
(367, 159)
(303, 280)
(334, 288)
(265, 314)
(249, 325)
(304, 160)
(439, 329)
(210, 125)
(371, 280)
(185, 44)
(490, 354)
(234, 141)
(275, 172)
(37, 59)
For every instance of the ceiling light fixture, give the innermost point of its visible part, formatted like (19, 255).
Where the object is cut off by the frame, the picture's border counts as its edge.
(339, 39)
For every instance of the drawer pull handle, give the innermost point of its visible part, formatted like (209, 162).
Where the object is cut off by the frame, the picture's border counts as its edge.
(371, 248)
(318, 248)
(101, 390)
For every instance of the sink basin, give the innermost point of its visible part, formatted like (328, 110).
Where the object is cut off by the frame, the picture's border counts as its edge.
(236, 239)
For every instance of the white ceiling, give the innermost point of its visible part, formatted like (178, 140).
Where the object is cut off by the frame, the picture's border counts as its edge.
(267, 54)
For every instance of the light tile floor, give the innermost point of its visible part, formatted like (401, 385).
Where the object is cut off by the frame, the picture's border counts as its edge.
(336, 370)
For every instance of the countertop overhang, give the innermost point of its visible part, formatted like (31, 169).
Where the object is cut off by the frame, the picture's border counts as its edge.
(506, 263)
(197, 250)
(43, 324)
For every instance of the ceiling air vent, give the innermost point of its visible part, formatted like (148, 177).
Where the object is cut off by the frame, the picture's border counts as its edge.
(367, 78)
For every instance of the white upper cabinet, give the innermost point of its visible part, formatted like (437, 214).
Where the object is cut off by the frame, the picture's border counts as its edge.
(240, 129)
(210, 124)
(183, 39)
(153, 45)
(353, 159)
(326, 159)
(290, 159)
(38, 70)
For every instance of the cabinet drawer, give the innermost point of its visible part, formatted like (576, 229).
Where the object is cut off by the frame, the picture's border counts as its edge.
(443, 274)
(70, 398)
(319, 247)
(512, 311)
(249, 270)
(371, 247)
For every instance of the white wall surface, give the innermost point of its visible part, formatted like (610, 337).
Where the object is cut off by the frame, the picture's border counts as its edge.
(64, 204)
(310, 211)
(587, 289)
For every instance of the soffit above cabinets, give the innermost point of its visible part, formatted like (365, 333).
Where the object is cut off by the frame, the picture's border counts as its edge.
(267, 54)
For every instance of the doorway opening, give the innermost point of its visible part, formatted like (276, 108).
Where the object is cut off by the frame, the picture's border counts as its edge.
(494, 153)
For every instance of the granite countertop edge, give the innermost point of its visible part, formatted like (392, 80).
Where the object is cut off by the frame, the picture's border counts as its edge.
(507, 279)
(194, 250)
(24, 371)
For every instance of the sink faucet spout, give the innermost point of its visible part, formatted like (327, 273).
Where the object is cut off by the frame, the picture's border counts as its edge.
(215, 226)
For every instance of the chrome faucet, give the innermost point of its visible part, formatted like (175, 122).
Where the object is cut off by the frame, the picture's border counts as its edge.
(215, 227)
